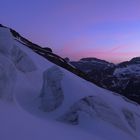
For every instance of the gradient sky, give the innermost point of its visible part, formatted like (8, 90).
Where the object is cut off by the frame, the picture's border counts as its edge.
(106, 29)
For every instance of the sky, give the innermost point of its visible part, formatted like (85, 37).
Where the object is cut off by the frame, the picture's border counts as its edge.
(106, 29)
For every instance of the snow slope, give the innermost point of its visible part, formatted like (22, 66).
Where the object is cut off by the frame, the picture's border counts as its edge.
(48, 93)
(19, 125)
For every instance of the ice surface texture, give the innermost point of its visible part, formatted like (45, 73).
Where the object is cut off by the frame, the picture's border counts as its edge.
(21, 60)
(6, 41)
(7, 78)
(52, 94)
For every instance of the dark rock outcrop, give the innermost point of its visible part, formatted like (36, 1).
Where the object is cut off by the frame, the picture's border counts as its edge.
(123, 78)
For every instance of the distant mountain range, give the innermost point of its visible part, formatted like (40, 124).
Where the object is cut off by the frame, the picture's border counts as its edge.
(123, 78)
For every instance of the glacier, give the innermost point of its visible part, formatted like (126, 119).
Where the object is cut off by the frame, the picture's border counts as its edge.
(48, 101)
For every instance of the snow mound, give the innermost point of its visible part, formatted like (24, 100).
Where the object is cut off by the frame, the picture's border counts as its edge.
(7, 78)
(6, 41)
(52, 93)
(22, 61)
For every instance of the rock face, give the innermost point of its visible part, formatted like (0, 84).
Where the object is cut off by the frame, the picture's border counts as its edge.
(22, 61)
(123, 78)
(95, 68)
(51, 93)
(7, 78)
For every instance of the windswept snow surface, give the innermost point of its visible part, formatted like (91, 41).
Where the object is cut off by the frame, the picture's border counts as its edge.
(19, 125)
(95, 112)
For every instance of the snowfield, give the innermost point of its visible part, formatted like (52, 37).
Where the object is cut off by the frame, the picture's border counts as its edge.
(19, 125)
(40, 100)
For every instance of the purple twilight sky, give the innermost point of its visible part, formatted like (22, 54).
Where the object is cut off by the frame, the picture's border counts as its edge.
(106, 29)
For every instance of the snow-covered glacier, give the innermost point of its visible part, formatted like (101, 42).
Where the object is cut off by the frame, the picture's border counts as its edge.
(51, 92)
(42, 92)
(7, 78)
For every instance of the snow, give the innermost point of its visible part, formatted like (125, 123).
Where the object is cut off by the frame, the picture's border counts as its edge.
(19, 125)
(7, 78)
(133, 69)
(51, 93)
(21, 60)
(6, 41)
(100, 114)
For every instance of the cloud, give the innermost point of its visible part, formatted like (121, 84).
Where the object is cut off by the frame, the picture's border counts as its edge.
(118, 48)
